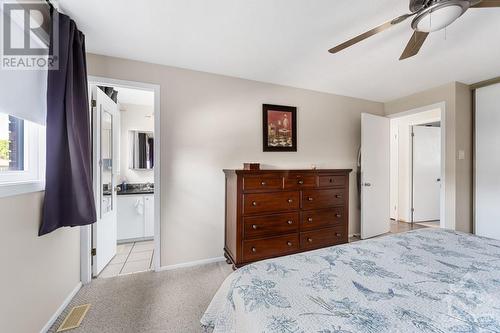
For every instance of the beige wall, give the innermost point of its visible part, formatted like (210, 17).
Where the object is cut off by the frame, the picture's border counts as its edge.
(210, 122)
(38, 273)
(458, 126)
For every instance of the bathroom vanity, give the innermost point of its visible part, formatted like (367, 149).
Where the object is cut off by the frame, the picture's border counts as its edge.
(135, 214)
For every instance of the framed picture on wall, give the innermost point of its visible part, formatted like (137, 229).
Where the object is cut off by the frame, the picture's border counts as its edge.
(279, 127)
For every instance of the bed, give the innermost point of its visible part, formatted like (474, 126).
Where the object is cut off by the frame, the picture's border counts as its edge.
(427, 280)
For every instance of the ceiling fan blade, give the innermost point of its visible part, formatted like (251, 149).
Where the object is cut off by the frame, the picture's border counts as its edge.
(414, 44)
(487, 4)
(370, 33)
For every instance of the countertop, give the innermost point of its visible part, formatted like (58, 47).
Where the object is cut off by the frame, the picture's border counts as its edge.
(135, 191)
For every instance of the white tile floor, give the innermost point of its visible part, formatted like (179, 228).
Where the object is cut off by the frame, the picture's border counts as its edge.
(130, 258)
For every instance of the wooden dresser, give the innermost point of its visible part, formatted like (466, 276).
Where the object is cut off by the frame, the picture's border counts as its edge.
(270, 213)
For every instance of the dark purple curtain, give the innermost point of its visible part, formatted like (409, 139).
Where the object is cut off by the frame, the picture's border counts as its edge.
(69, 198)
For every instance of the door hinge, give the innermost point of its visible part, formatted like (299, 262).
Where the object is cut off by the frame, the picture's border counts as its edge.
(93, 252)
(93, 103)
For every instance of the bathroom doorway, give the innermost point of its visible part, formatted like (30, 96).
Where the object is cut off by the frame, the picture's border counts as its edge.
(126, 158)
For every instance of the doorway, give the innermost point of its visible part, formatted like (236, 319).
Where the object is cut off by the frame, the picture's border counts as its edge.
(126, 159)
(426, 174)
(386, 170)
(416, 168)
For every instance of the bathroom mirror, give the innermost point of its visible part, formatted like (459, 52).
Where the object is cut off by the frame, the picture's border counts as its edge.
(141, 150)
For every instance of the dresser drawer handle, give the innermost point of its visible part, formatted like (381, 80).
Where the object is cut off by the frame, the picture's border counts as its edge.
(254, 203)
(310, 199)
(289, 243)
(289, 222)
(338, 215)
(310, 240)
(263, 183)
(254, 249)
(331, 180)
(338, 234)
(338, 196)
(254, 227)
(290, 200)
(310, 219)
(300, 182)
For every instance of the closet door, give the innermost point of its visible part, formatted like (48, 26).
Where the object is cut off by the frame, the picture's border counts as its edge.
(487, 162)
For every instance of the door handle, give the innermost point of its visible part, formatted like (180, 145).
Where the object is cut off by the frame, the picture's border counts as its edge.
(367, 184)
(438, 180)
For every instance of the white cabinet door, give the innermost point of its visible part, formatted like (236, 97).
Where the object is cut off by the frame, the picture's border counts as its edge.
(149, 216)
(130, 216)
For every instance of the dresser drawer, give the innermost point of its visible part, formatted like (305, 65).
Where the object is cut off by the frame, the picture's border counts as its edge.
(325, 237)
(262, 183)
(314, 199)
(297, 181)
(270, 247)
(332, 181)
(271, 225)
(315, 219)
(270, 202)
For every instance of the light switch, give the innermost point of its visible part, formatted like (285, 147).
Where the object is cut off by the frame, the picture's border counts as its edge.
(461, 155)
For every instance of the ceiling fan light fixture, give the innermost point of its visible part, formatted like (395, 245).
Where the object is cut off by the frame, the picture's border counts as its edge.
(439, 15)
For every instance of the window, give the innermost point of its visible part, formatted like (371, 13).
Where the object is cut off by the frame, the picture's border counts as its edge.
(22, 155)
(11, 143)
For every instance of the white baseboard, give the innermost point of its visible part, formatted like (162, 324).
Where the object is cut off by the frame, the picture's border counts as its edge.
(63, 306)
(191, 264)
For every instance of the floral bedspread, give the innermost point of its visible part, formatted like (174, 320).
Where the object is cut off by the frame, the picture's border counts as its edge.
(427, 280)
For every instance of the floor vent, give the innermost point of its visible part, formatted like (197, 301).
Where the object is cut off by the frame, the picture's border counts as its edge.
(74, 318)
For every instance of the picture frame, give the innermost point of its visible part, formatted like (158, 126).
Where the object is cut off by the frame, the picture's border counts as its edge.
(279, 128)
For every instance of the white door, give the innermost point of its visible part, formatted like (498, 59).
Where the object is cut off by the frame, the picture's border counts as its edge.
(375, 175)
(487, 162)
(426, 173)
(105, 136)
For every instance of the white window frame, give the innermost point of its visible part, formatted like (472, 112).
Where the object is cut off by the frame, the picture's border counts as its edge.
(32, 178)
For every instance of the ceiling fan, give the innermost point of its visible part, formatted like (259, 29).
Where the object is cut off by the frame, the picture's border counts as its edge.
(429, 16)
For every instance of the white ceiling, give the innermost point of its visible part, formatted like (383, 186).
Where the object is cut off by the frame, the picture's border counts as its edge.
(135, 96)
(286, 42)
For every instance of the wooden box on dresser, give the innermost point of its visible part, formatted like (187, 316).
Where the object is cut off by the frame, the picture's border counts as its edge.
(270, 213)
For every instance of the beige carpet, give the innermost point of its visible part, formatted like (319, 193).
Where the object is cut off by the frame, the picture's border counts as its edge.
(170, 301)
